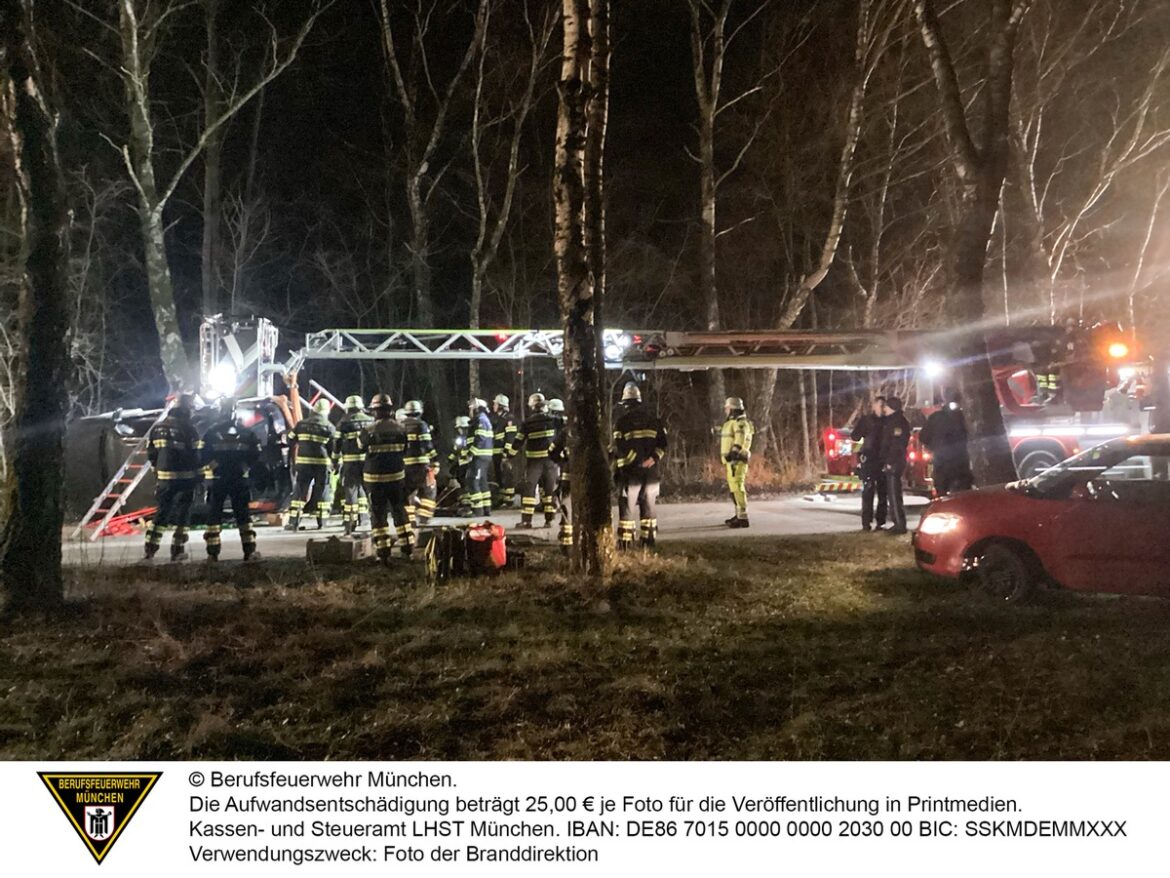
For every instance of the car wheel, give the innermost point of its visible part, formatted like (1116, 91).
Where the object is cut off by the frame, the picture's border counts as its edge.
(1035, 462)
(1004, 574)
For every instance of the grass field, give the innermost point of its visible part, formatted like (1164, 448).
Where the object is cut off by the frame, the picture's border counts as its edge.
(804, 648)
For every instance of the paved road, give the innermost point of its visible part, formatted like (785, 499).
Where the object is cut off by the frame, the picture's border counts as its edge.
(784, 516)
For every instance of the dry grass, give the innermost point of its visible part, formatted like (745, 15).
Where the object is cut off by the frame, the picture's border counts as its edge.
(813, 648)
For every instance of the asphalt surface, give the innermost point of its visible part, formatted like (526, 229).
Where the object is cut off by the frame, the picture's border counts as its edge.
(783, 516)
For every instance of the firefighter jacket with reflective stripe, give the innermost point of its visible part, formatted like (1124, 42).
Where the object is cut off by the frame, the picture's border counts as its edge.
(735, 440)
(312, 440)
(347, 448)
(537, 435)
(384, 444)
(174, 448)
(559, 452)
(483, 436)
(460, 455)
(420, 448)
(637, 436)
(227, 452)
(503, 429)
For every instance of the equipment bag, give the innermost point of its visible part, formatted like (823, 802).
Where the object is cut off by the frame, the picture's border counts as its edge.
(487, 548)
(445, 553)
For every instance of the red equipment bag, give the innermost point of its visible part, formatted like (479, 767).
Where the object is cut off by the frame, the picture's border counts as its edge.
(487, 547)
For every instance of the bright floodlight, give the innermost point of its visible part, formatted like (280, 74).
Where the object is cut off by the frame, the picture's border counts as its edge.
(933, 369)
(1118, 350)
(222, 380)
(613, 352)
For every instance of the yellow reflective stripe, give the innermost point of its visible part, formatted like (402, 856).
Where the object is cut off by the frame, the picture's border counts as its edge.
(640, 434)
(168, 475)
(416, 461)
(352, 458)
(387, 449)
(535, 454)
(542, 434)
(381, 478)
(317, 460)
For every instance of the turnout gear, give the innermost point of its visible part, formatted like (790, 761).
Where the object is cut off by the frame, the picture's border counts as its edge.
(945, 437)
(539, 434)
(349, 458)
(384, 477)
(420, 454)
(735, 448)
(482, 442)
(173, 451)
(639, 440)
(503, 429)
(312, 441)
(631, 393)
(559, 454)
(228, 452)
(894, 439)
(459, 460)
(868, 431)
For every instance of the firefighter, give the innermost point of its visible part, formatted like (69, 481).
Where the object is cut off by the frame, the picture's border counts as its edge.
(384, 476)
(349, 460)
(868, 431)
(227, 453)
(504, 427)
(173, 451)
(312, 441)
(420, 457)
(482, 441)
(639, 441)
(560, 455)
(735, 448)
(458, 462)
(892, 450)
(945, 437)
(541, 474)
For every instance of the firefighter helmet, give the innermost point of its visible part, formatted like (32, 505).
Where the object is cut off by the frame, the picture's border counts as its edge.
(322, 407)
(475, 404)
(354, 403)
(631, 393)
(502, 401)
(536, 402)
(463, 423)
(734, 404)
(556, 406)
(413, 408)
(381, 402)
(400, 415)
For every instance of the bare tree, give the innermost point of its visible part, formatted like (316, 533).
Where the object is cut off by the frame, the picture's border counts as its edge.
(494, 210)
(979, 155)
(140, 31)
(584, 375)
(30, 539)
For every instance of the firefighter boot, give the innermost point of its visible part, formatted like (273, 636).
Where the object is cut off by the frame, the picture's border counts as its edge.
(320, 521)
(293, 523)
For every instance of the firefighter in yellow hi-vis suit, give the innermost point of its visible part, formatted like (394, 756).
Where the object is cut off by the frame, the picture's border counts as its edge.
(735, 448)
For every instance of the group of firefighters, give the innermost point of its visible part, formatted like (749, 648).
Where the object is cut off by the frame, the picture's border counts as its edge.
(385, 462)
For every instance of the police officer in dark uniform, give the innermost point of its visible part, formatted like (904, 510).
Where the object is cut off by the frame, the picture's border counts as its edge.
(384, 476)
(173, 451)
(945, 437)
(312, 441)
(420, 456)
(349, 457)
(639, 441)
(227, 453)
(892, 446)
(541, 473)
(868, 431)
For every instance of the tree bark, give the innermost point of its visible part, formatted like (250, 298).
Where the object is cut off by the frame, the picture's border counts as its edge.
(30, 540)
(212, 164)
(595, 199)
(584, 375)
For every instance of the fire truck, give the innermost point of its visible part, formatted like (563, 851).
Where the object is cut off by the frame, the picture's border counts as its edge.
(1060, 388)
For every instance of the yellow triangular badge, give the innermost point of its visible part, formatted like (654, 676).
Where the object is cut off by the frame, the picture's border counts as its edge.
(99, 806)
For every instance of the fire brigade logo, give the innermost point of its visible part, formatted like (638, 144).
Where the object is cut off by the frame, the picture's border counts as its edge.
(99, 806)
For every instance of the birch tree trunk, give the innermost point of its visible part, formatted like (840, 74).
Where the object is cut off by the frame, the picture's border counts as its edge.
(584, 375)
(595, 197)
(30, 538)
(212, 165)
(980, 169)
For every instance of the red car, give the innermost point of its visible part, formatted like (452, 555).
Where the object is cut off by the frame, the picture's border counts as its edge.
(1099, 521)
